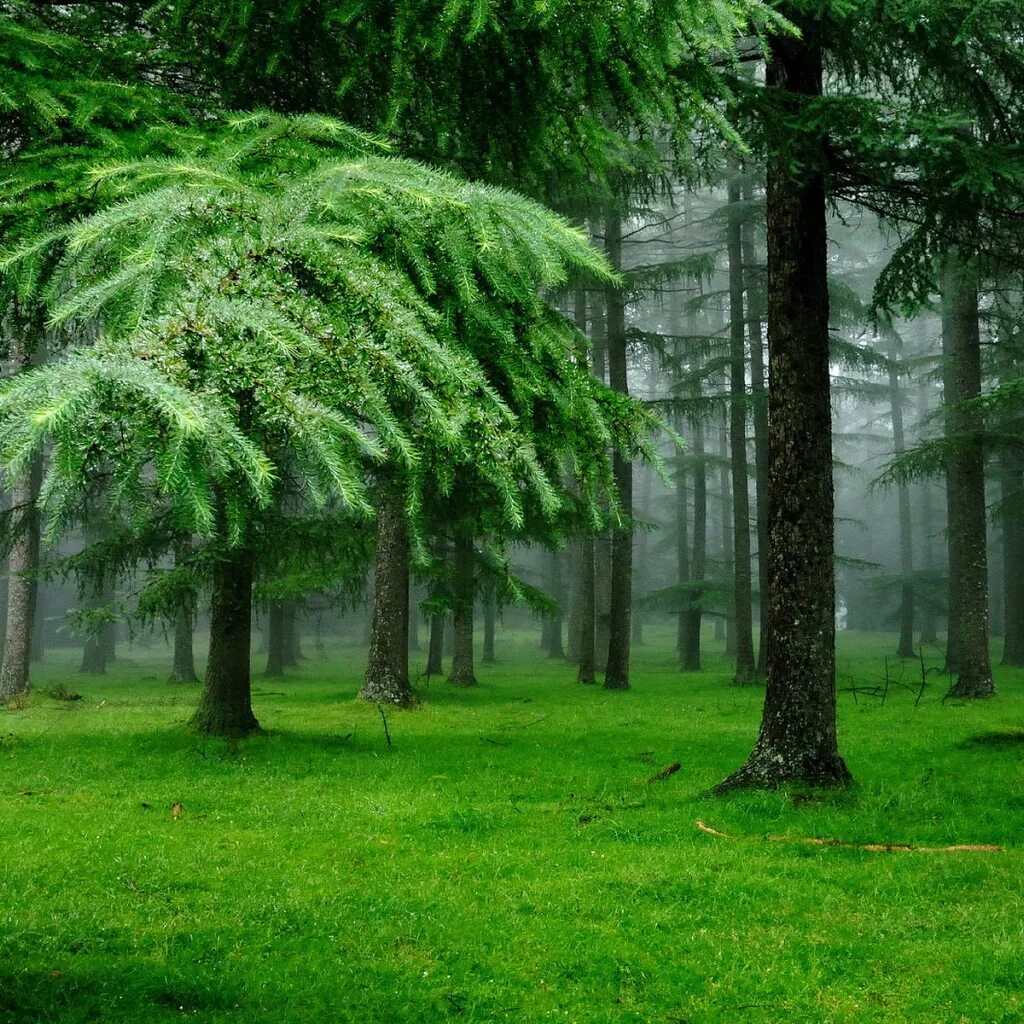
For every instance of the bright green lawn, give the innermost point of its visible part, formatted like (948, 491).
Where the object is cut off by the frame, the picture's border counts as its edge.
(505, 859)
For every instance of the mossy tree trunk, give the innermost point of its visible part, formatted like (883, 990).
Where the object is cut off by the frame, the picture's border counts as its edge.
(620, 608)
(225, 708)
(463, 671)
(797, 740)
(387, 666)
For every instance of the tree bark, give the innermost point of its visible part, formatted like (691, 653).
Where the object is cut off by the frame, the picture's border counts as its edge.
(276, 626)
(23, 561)
(463, 672)
(743, 625)
(225, 708)
(489, 606)
(616, 673)
(387, 667)
(435, 648)
(1013, 558)
(905, 645)
(759, 401)
(967, 527)
(682, 559)
(797, 740)
(698, 558)
(726, 622)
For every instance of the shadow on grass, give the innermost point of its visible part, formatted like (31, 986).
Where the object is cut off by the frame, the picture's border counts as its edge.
(1009, 740)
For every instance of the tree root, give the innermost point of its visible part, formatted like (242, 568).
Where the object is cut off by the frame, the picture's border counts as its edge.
(870, 847)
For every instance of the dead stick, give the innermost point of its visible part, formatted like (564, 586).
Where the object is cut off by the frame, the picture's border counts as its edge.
(870, 847)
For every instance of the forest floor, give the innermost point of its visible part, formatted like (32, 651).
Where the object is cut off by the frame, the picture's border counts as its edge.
(506, 859)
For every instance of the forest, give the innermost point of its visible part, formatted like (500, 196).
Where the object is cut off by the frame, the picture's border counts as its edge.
(512, 510)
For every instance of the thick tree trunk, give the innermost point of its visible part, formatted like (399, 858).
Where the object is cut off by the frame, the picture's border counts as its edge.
(905, 645)
(743, 625)
(797, 740)
(967, 526)
(698, 559)
(225, 708)
(387, 666)
(276, 625)
(463, 672)
(759, 401)
(620, 609)
(21, 587)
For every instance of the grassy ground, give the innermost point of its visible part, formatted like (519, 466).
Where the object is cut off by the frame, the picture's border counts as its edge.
(505, 859)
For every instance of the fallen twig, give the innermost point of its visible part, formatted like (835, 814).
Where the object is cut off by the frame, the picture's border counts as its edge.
(870, 847)
(669, 769)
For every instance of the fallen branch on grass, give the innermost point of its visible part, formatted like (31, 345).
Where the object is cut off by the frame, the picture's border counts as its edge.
(870, 847)
(668, 770)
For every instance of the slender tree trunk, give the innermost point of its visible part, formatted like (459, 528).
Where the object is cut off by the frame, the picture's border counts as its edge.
(225, 708)
(698, 559)
(555, 647)
(276, 626)
(728, 550)
(927, 526)
(435, 648)
(489, 605)
(588, 612)
(292, 635)
(616, 673)
(414, 622)
(742, 598)
(387, 667)
(682, 559)
(797, 740)
(183, 665)
(463, 672)
(759, 402)
(905, 646)
(1013, 558)
(967, 526)
(23, 561)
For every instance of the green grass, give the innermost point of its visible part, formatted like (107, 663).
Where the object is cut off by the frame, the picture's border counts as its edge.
(505, 859)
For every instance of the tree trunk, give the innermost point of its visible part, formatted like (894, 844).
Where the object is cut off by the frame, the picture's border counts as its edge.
(435, 648)
(905, 646)
(698, 558)
(727, 622)
(616, 673)
(387, 666)
(183, 665)
(967, 527)
(759, 401)
(463, 673)
(797, 740)
(23, 561)
(489, 605)
(276, 625)
(1013, 558)
(742, 598)
(555, 646)
(588, 612)
(225, 708)
(414, 622)
(292, 644)
(682, 559)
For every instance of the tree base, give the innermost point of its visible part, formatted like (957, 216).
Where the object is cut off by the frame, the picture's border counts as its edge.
(463, 681)
(613, 683)
(765, 770)
(394, 691)
(183, 677)
(230, 723)
(973, 689)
